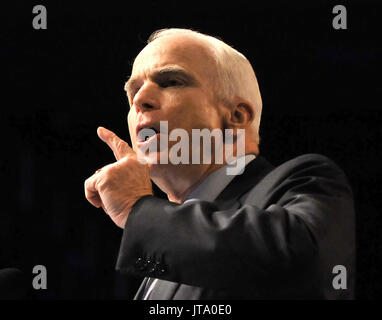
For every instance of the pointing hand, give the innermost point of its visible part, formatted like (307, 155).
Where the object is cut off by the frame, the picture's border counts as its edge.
(118, 186)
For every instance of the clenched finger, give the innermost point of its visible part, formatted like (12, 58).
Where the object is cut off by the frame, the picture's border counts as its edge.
(91, 192)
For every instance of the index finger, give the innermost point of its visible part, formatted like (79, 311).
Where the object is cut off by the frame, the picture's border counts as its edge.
(119, 147)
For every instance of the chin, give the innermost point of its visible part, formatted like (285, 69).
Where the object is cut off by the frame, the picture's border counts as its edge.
(158, 175)
(160, 172)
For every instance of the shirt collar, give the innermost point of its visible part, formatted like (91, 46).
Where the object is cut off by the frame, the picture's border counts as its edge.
(215, 183)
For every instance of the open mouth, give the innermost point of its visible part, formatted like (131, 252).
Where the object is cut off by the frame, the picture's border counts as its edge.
(146, 133)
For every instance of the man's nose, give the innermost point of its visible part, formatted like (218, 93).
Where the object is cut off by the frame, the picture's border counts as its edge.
(147, 98)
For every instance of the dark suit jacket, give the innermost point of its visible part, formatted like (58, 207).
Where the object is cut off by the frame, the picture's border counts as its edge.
(273, 233)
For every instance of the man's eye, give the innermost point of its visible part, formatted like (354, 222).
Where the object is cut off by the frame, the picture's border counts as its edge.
(170, 83)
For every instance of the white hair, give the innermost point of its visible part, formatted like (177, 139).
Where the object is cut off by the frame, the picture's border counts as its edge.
(235, 73)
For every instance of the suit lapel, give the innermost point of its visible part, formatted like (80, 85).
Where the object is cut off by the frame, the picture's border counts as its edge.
(252, 175)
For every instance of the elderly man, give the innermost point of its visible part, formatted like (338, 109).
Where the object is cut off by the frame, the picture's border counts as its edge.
(268, 233)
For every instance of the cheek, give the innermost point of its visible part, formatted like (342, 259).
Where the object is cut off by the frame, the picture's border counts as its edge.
(131, 122)
(192, 110)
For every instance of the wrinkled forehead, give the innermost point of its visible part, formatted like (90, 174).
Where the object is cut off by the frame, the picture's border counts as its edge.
(193, 55)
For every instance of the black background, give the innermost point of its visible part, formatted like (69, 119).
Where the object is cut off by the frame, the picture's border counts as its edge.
(321, 92)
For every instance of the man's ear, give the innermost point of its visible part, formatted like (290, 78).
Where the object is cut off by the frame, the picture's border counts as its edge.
(239, 115)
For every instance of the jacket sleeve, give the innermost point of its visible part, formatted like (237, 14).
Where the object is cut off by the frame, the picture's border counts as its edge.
(303, 226)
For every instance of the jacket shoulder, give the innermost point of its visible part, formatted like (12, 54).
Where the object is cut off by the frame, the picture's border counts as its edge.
(310, 158)
(310, 171)
(313, 163)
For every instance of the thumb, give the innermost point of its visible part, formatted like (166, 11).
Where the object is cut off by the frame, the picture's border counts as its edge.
(119, 147)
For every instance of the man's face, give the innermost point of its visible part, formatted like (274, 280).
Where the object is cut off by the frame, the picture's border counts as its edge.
(172, 80)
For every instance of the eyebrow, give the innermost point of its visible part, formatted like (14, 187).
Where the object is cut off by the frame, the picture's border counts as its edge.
(167, 71)
(130, 85)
